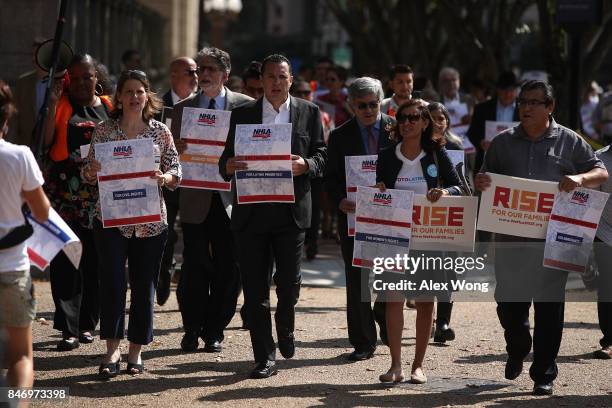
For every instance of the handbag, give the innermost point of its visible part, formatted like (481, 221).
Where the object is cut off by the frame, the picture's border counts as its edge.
(465, 188)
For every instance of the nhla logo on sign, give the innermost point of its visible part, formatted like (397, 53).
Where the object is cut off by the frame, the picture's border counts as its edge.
(580, 197)
(382, 198)
(262, 133)
(122, 151)
(368, 165)
(207, 119)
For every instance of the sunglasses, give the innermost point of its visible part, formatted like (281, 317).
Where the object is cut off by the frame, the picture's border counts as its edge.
(191, 71)
(410, 118)
(371, 105)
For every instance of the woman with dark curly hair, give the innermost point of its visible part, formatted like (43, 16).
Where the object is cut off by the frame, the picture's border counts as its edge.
(418, 162)
(141, 245)
(73, 114)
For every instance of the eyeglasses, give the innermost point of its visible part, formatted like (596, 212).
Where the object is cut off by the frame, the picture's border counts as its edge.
(191, 71)
(410, 118)
(371, 105)
(211, 68)
(530, 102)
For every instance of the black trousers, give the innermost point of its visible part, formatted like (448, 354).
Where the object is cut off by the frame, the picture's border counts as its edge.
(271, 231)
(144, 258)
(521, 281)
(209, 285)
(603, 257)
(312, 233)
(75, 291)
(360, 315)
(172, 207)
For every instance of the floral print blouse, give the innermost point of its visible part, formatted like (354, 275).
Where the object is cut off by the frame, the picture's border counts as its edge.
(73, 199)
(109, 131)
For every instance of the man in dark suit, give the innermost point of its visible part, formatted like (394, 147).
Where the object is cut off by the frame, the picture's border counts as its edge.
(366, 133)
(270, 227)
(183, 83)
(502, 108)
(208, 288)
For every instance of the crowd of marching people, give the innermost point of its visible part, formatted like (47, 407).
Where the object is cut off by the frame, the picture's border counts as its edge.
(230, 247)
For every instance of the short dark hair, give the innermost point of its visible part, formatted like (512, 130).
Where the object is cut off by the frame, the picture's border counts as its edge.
(297, 83)
(128, 54)
(534, 85)
(340, 71)
(252, 72)
(7, 105)
(221, 57)
(399, 69)
(274, 59)
(154, 104)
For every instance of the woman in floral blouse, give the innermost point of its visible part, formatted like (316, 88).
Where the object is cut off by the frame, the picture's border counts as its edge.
(142, 245)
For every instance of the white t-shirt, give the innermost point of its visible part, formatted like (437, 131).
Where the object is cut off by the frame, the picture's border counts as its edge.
(19, 172)
(411, 176)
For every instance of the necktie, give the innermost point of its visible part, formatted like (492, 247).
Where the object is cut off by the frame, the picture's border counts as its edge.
(212, 104)
(372, 142)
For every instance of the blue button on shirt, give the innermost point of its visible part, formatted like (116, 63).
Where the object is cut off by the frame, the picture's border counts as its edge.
(364, 133)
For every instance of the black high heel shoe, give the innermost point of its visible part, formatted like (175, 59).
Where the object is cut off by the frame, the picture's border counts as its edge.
(109, 370)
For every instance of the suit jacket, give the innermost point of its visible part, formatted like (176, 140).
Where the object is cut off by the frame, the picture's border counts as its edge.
(306, 141)
(25, 99)
(194, 204)
(389, 166)
(167, 99)
(476, 133)
(346, 141)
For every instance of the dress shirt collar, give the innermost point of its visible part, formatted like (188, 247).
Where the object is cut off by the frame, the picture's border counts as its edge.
(267, 106)
(175, 98)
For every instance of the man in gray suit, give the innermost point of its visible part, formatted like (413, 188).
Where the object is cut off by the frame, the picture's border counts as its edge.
(208, 288)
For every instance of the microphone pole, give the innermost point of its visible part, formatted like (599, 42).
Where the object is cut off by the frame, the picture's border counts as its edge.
(44, 109)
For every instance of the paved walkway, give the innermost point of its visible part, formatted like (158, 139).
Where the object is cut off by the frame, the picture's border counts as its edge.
(465, 372)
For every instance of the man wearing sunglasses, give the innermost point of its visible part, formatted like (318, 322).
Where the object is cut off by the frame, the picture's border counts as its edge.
(538, 149)
(365, 134)
(183, 83)
(183, 80)
(209, 284)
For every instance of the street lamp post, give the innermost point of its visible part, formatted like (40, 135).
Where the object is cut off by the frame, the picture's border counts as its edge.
(219, 13)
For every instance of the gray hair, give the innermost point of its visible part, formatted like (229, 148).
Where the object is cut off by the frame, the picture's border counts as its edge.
(448, 70)
(365, 86)
(221, 57)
